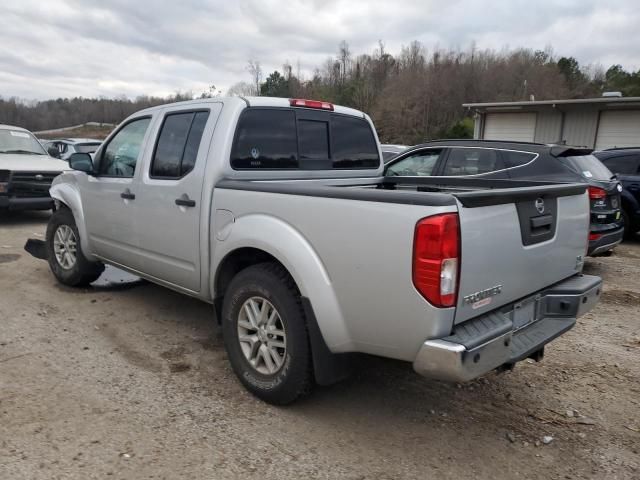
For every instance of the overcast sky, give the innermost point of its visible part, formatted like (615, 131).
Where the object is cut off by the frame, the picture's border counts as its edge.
(53, 48)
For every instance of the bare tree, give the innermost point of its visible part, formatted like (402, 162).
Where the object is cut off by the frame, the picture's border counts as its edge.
(241, 89)
(255, 70)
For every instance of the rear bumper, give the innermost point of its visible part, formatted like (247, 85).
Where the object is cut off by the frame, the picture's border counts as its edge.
(606, 242)
(510, 334)
(13, 203)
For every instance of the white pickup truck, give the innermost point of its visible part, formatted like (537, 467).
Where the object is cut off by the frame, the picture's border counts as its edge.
(275, 211)
(26, 171)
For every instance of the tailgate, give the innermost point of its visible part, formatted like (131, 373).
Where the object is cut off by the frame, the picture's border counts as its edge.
(517, 241)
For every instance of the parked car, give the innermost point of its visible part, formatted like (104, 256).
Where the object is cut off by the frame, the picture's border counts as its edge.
(625, 163)
(389, 151)
(26, 171)
(275, 211)
(66, 147)
(524, 161)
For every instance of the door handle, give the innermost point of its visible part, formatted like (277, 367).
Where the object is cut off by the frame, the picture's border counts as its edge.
(127, 195)
(185, 201)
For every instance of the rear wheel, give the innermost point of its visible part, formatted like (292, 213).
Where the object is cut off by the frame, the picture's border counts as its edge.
(265, 334)
(65, 256)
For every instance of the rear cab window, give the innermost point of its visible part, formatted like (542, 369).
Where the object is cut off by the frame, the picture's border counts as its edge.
(285, 138)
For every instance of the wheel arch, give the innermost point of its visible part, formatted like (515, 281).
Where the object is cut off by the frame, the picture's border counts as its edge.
(67, 195)
(257, 238)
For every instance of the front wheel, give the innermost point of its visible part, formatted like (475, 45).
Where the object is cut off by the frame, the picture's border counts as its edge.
(265, 334)
(66, 260)
(628, 227)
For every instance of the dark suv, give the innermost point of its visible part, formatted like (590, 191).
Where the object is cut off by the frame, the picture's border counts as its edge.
(625, 163)
(503, 160)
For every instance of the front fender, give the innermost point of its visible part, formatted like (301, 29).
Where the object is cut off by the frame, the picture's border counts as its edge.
(284, 242)
(65, 190)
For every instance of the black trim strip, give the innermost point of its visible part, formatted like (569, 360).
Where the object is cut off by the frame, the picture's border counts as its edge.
(518, 191)
(484, 198)
(362, 194)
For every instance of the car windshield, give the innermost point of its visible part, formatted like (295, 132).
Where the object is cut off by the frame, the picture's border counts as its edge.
(589, 167)
(19, 141)
(86, 147)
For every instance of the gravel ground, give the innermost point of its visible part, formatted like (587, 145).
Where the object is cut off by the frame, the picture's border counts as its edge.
(133, 383)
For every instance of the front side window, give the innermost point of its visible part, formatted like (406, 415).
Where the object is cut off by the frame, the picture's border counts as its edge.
(420, 164)
(121, 154)
(471, 161)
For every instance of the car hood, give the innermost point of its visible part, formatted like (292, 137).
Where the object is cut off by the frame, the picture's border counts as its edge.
(31, 163)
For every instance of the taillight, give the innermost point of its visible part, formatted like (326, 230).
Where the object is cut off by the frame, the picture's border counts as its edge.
(436, 259)
(299, 102)
(596, 193)
(594, 236)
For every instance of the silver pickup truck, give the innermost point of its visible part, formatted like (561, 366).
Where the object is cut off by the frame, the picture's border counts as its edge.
(276, 213)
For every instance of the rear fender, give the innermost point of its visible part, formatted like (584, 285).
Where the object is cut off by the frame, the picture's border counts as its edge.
(282, 241)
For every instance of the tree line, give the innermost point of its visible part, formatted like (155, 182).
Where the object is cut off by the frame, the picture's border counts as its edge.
(412, 96)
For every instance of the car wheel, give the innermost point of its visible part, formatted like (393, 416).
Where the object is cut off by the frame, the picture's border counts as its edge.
(65, 256)
(629, 232)
(265, 334)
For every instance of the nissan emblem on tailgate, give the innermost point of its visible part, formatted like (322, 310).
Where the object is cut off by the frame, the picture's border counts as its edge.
(539, 205)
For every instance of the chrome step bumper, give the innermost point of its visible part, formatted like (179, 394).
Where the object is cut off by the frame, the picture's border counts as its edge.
(509, 334)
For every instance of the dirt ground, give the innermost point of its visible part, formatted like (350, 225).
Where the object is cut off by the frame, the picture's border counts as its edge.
(133, 383)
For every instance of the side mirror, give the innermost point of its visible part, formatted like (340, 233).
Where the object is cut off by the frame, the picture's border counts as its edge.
(81, 162)
(53, 152)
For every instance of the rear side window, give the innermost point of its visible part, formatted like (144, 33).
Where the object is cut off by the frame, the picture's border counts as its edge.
(624, 165)
(271, 138)
(178, 144)
(471, 161)
(517, 159)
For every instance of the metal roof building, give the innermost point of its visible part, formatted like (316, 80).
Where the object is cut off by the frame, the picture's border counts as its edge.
(599, 123)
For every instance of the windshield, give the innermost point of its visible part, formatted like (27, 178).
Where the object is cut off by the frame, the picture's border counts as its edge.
(589, 167)
(18, 141)
(86, 147)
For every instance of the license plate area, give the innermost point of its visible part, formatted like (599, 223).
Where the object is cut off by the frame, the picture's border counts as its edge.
(524, 313)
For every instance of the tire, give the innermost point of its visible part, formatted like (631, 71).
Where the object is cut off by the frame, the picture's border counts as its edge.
(256, 288)
(71, 270)
(629, 232)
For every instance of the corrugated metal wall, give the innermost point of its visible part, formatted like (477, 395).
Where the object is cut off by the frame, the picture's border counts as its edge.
(580, 126)
(548, 126)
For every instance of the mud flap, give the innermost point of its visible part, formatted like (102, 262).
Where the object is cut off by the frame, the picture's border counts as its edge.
(37, 248)
(328, 367)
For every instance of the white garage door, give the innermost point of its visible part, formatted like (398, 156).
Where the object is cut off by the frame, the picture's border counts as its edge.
(618, 129)
(510, 126)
